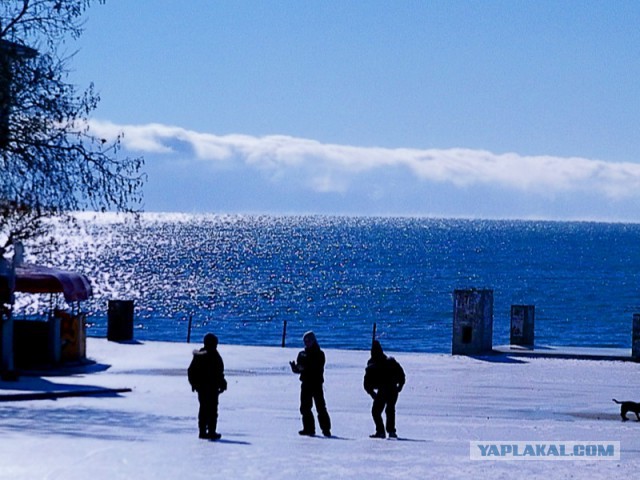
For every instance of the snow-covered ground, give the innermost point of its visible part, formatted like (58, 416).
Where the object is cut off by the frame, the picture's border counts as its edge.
(151, 432)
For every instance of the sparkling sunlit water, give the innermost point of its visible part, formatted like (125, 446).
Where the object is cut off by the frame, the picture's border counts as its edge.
(242, 276)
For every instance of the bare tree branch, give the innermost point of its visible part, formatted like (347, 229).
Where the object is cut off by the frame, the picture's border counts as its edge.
(51, 163)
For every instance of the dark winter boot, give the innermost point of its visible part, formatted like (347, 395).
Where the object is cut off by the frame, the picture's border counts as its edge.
(325, 422)
(202, 427)
(308, 424)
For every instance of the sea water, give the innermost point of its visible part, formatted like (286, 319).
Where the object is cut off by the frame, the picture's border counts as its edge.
(242, 277)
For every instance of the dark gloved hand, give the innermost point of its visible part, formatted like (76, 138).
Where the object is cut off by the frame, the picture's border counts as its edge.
(400, 388)
(373, 395)
(222, 387)
(294, 367)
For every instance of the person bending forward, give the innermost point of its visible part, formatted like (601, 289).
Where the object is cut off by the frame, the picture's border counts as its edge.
(383, 381)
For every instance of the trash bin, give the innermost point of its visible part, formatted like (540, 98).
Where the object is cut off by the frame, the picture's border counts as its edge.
(120, 320)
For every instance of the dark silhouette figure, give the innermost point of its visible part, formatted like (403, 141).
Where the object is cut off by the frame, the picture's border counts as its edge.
(206, 376)
(383, 380)
(626, 407)
(310, 366)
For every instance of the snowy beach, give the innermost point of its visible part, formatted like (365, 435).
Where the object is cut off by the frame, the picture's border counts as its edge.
(448, 402)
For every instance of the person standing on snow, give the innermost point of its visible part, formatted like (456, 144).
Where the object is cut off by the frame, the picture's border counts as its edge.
(310, 366)
(383, 381)
(206, 376)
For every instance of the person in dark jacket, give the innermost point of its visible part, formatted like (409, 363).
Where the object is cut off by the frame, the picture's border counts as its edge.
(206, 376)
(310, 366)
(383, 380)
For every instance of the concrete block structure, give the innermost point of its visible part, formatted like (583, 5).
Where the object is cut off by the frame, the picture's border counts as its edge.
(472, 322)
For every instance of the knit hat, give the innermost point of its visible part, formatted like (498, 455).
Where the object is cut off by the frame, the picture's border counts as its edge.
(210, 341)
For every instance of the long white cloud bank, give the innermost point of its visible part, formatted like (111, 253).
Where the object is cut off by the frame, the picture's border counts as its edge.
(332, 167)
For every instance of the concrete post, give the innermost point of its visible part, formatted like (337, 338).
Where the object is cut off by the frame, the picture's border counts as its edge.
(7, 277)
(522, 325)
(472, 322)
(635, 338)
(55, 343)
(6, 335)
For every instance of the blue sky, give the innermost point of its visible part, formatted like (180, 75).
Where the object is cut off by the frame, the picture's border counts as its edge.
(481, 109)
